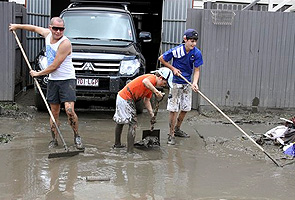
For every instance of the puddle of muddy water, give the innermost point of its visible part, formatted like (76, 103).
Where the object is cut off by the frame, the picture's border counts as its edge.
(215, 163)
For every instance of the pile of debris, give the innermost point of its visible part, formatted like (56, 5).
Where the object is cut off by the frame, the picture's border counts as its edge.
(282, 135)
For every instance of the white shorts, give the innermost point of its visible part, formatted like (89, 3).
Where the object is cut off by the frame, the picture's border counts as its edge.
(180, 98)
(125, 111)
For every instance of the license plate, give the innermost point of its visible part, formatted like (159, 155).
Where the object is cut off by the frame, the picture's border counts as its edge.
(87, 82)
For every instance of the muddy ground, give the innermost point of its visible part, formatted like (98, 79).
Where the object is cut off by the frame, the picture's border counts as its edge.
(217, 162)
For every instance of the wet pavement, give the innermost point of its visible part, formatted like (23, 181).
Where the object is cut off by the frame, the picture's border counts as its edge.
(216, 162)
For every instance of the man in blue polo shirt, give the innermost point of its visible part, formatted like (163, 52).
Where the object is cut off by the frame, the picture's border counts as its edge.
(187, 59)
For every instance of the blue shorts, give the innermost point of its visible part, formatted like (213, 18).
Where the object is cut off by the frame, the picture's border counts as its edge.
(61, 91)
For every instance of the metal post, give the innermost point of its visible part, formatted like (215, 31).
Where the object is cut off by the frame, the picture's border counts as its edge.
(248, 7)
(270, 5)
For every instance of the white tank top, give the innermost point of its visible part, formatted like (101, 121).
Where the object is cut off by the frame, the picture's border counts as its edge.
(66, 70)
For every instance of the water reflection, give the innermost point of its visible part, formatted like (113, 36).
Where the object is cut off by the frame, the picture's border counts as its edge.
(62, 176)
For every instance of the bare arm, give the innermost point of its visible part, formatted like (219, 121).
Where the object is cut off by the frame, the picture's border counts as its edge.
(167, 64)
(147, 83)
(196, 76)
(148, 105)
(147, 101)
(63, 51)
(40, 30)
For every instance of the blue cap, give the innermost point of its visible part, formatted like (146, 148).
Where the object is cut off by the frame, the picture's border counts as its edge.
(191, 34)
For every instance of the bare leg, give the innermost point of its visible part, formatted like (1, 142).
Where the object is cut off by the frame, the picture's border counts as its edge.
(73, 121)
(172, 122)
(72, 117)
(55, 109)
(180, 119)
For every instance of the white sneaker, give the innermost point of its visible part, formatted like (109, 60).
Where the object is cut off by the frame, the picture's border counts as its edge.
(78, 142)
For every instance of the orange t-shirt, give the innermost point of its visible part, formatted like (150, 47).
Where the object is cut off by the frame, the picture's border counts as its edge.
(136, 89)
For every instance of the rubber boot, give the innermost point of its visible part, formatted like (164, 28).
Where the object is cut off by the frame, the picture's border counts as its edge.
(130, 138)
(118, 133)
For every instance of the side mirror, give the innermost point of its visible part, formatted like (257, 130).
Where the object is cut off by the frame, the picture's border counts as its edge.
(145, 36)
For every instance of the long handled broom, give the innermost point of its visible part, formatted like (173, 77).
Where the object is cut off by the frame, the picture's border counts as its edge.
(67, 152)
(231, 121)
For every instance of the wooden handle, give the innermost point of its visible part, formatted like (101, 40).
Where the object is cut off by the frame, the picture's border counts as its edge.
(231, 121)
(40, 90)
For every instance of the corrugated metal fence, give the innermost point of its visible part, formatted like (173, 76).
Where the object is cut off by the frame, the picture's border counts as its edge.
(39, 15)
(13, 76)
(249, 63)
(16, 76)
(174, 22)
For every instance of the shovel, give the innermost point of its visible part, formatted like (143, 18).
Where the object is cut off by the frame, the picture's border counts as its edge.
(231, 121)
(66, 152)
(152, 136)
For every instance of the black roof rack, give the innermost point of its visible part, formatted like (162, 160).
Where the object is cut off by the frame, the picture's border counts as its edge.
(81, 3)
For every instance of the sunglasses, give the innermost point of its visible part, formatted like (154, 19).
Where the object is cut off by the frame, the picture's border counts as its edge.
(58, 28)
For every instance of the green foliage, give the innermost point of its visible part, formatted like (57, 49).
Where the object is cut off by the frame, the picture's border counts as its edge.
(5, 138)
(9, 106)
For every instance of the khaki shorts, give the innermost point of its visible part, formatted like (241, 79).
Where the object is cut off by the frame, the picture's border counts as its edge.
(180, 98)
(125, 111)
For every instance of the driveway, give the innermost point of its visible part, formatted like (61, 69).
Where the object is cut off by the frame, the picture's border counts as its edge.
(216, 162)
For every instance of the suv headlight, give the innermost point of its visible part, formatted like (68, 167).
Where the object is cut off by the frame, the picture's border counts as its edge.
(41, 65)
(128, 67)
(43, 62)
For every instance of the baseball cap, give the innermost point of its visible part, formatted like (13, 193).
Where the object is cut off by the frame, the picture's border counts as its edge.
(167, 74)
(191, 34)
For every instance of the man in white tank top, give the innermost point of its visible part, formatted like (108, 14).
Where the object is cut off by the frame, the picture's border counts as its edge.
(61, 86)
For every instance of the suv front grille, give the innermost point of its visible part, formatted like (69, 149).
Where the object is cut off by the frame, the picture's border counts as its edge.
(96, 67)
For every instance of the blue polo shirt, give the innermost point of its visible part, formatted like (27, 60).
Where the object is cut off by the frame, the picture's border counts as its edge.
(183, 61)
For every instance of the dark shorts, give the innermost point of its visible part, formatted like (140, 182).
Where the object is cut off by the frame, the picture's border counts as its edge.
(61, 91)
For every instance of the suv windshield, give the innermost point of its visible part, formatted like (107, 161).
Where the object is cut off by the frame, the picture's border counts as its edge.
(98, 26)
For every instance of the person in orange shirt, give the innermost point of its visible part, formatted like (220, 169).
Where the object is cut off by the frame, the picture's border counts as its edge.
(141, 87)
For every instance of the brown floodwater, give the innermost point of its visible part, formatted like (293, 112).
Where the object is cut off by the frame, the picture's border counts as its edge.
(216, 162)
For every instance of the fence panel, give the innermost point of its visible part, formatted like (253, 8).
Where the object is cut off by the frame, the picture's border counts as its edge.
(13, 70)
(7, 59)
(39, 15)
(248, 63)
(174, 22)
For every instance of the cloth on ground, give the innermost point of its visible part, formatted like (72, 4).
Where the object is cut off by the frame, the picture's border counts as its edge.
(277, 132)
(285, 135)
(289, 149)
